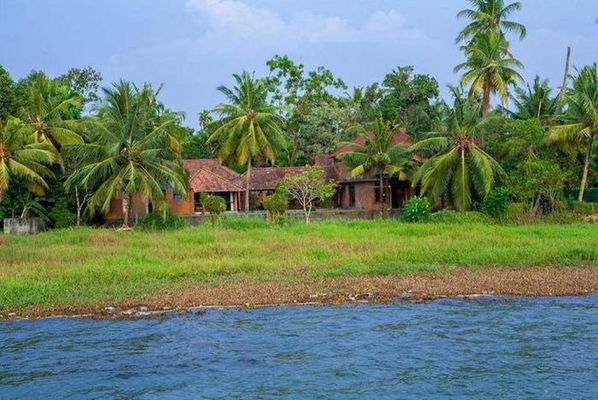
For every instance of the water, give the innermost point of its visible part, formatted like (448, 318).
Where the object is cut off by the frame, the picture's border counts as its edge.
(488, 348)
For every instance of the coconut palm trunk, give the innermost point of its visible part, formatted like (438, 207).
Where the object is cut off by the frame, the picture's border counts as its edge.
(486, 97)
(586, 168)
(125, 209)
(248, 179)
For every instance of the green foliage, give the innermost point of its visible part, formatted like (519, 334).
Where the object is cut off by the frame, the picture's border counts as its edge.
(490, 16)
(496, 203)
(61, 215)
(214, 206)
(157, 221)
(417, 209)
(539, 184)
(458, 170)
(407, 100)
(85, 81)
(8, 96)
(308, 187)
(135, 147)
(277, 205)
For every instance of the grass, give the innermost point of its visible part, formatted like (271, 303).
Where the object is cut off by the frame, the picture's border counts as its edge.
(84, 266)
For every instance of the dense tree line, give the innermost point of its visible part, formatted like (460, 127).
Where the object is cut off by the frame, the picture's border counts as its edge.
(67, 147)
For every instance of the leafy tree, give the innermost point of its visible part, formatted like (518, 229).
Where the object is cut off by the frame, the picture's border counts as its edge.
(85, 81)
(248, 129)
(489, 68)
(490, 16)
(277, 205)
(298, 94)
(458, 170)
(8, 95)
(51, 114)
(214, 206)
(309, 187)
(581, 119)
(22, 160)
(135, 148)
(535, 102)
(408, 100)
(379, 154)
(538, 183)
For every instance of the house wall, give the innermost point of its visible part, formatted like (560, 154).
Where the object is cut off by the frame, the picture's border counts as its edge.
(365, 196)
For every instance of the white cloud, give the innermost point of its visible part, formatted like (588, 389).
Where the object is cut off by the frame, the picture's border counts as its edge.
(234, 21)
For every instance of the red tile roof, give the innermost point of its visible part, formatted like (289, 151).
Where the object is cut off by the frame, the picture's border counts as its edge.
(269, 177)
(211, 176)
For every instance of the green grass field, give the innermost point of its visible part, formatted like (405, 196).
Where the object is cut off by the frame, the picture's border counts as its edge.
(85, 266)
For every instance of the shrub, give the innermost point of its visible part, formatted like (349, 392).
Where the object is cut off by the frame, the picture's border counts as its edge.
(214, 205)
(158, 221)
(417, 209)
(61, 216)
(496, 202)
(456, 217)
(276, 205)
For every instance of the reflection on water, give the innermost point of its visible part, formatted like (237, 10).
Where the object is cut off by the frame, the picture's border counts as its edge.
(488, 348)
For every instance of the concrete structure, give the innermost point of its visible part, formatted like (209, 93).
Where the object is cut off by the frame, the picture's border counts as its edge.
(22, 226)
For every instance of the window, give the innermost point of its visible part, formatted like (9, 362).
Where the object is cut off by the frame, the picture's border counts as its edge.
(351, 194)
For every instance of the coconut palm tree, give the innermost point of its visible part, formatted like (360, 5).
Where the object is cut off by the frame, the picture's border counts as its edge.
(490, 15)
(489, 68)
(535, 102)
(379, 152)
(135, 148)
(458, 170)
(51, 114)
(248, 127)
(581, 119)
(23, 160)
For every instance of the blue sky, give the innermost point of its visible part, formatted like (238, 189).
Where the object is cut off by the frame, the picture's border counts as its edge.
(192, 46)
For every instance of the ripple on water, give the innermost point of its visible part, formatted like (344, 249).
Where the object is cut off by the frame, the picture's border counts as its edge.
(455, 348)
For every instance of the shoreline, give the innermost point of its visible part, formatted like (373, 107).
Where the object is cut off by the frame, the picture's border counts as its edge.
(415, 288)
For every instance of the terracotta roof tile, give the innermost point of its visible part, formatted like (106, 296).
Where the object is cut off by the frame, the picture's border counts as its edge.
(211, 176)
(269, 177)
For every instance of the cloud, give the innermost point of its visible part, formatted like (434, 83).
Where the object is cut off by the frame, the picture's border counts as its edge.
(234, 21)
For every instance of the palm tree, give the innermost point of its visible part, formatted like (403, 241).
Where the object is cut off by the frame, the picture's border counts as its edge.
(23, 160)
(51, 114)
(490, 15)
(581, 118)
(135, 148)
(458, 170)
(378, 152)
(489, 68)
(535, 102)
(248, 129)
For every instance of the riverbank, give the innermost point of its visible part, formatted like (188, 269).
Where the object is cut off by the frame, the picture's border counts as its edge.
(111, 273)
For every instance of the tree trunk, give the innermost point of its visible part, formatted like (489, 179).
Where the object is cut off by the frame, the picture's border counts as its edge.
(1, 195)
(563, 90)
(486, 98)
(78, 206)
(125, 205)
(382, 194)
(586, 168)
(248, 178)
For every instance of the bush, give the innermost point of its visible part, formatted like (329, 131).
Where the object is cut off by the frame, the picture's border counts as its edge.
(417, 209)
(276, 205)
(158, 221)
(61, 216)
(456, 217)
(214, 205)
(496, 202)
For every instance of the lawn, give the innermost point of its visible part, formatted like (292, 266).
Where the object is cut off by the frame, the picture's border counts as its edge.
(84, 266)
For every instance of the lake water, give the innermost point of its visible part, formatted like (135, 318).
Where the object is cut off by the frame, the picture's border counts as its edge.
(491, 348)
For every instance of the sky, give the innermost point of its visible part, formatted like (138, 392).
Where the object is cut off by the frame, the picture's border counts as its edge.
(193, 46)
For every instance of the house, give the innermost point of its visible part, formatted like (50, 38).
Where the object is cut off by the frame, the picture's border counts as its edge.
(363, 192)
(263, 182)
(205, 176)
